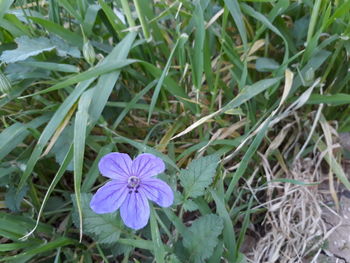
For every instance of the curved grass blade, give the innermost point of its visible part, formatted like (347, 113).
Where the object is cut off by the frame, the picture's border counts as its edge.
(229, 234)
(246, 94)
(16, 133)
(4, 7)
(131, 104)
(80, 126)
(159, 250)
(51, 66)
(51, 127)
(52, 27)
(237, 15)
(56, 179)
(181, 40)
(197, 61)
(59, 242)
(93, 73)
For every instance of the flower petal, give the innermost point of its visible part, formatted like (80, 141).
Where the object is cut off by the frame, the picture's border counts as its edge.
(147, 165)
(135, 210)
(109, 197)
(157, 191)
(115, 165)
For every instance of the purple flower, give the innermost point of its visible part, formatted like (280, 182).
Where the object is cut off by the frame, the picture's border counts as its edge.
(131, 185)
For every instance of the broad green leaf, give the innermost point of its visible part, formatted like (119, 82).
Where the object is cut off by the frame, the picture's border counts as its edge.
(202, 237)
(27, 47)
(5, 175)
(190, 205)
(8, 24)
(198, 175)
(104, 228)
(63, 49)
(13, 200)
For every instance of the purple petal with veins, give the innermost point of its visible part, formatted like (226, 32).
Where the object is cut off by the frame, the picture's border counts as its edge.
(115, 165)
(147, 165)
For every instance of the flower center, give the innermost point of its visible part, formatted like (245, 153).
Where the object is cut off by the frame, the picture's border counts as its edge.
(133, 182)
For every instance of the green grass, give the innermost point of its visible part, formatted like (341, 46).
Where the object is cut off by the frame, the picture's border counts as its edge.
(173, 78)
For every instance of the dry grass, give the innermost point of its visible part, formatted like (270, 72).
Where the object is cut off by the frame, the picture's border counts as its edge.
(293, 222)
(294, 228)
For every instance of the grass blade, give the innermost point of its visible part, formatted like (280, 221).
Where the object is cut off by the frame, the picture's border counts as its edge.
(51, 127)
(80, 126)
(157, 241)
(93, 73)
(245, 95)
(181, 40)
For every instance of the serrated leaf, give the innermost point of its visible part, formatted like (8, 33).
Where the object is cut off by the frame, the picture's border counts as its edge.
(199, 175)
(202, 237)
(27, 47)
(120, 249)
(104, 228)
(13, 199)
(172, 259)
(190, 206)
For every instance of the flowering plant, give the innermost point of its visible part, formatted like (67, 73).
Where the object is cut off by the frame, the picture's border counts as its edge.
(132, 184)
